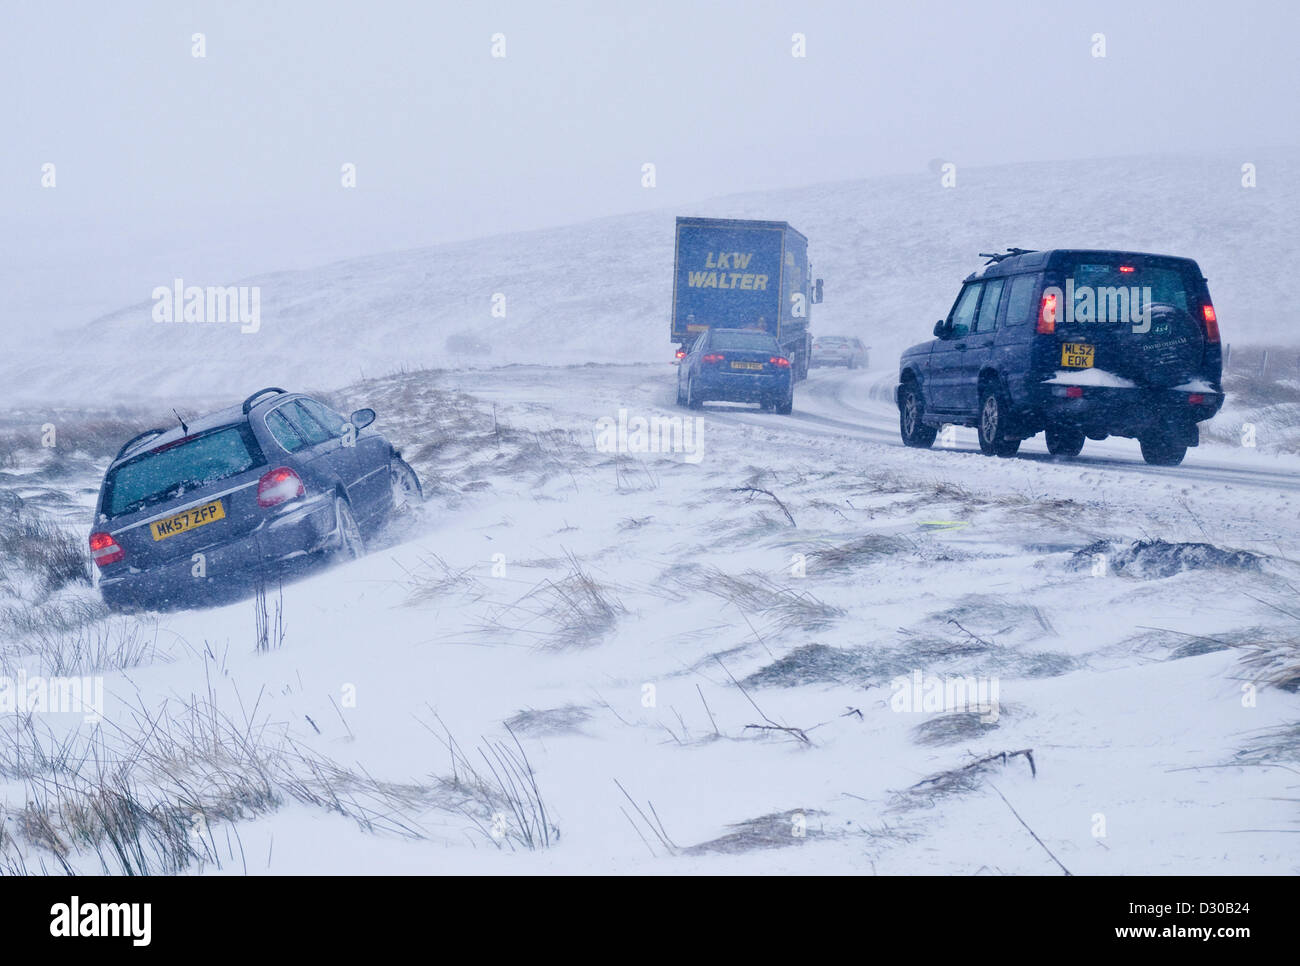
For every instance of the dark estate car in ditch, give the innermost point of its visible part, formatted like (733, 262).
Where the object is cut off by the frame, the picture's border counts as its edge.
(230, 497)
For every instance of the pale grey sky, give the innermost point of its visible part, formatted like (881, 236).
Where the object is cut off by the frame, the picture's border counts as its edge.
(230, 164)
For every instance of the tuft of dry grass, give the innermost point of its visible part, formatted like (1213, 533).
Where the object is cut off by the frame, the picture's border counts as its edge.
(35, 547)
(436, 578)
(755, 593)
(573, 611)
(777, 830)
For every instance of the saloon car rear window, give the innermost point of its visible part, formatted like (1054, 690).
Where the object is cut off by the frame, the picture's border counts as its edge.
(173, 469)
(737, 339)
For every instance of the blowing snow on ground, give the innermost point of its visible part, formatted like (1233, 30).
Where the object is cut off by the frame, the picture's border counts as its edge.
(716, 660)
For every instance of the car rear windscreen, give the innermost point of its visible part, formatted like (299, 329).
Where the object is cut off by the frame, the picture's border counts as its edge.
(1158, 284)
(172, 470)
(736, 339)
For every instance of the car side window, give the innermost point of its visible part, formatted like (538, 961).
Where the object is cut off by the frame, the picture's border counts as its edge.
(988, 317)
(310, 430)
(328, 419)
(285, 433)
(1020, 302)
(963, 313)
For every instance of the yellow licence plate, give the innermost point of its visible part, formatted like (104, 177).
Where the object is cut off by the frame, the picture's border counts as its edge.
(198, 516)
(748, 365)
(1077, 355)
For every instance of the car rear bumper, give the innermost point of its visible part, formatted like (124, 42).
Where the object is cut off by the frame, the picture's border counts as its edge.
(1110, 411)
(294, 534)
(742, 387)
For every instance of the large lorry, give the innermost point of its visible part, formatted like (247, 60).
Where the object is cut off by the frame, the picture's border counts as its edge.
(733, 273)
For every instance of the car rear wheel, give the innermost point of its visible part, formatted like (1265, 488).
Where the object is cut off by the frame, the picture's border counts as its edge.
(1159, 448)
(786, 406)
(350, 545)
(994, 440)
(692, 401)
(1064, 440)
(910, 425)
(407, 491)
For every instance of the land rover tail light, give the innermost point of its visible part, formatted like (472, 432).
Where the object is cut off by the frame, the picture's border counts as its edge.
(1047, 314)
(1211, 322)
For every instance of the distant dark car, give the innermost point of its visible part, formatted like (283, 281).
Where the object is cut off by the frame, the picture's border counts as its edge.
(839, 350)
(1076, 343)
(467, 344)
(736, 365)
(237, 494)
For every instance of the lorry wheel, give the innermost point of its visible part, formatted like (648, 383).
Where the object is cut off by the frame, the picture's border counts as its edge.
(1159, 448)
(992, 425)
(911, 407)
(1064, 440)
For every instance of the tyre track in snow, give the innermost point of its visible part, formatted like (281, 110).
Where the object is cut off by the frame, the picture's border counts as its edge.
(857, 406)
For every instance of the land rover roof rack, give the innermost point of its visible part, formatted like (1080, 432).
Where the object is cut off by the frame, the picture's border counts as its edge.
(248, 403)
(995, 257)
(130, 443)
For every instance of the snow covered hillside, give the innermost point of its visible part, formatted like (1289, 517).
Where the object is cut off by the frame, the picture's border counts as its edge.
(892, 251)
(581, 660)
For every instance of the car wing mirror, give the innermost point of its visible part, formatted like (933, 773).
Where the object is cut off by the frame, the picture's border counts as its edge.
(363, 418)
(938, 329)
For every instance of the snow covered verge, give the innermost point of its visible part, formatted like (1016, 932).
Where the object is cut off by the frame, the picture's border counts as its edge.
(786, 647)
(1262, 409)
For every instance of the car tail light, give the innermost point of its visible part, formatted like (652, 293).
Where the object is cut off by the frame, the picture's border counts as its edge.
(681, 353)
(781, 362)
(277, 486)
(1073, 392)
(1195, 399)
(1211, 322)
(713, 358)
(1047, 314)
(1126, 269)
(104, 549)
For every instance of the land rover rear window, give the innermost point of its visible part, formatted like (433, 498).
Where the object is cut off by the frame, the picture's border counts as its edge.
(1168, 286)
